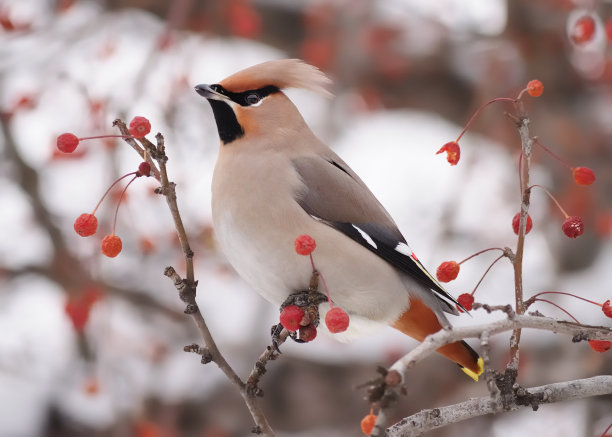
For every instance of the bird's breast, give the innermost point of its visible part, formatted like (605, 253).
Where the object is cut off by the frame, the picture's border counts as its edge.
(256, 221)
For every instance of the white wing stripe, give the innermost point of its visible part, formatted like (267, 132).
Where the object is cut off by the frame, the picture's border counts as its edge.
(366, 237)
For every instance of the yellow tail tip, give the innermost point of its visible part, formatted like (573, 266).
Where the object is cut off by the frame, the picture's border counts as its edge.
(472, 374)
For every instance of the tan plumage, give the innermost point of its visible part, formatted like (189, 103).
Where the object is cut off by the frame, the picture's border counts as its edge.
(283, 73)
(274, 180)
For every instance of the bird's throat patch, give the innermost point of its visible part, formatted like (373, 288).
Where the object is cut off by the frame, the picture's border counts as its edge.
(227, 124)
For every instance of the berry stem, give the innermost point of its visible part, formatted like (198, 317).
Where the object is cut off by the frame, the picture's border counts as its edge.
(467, 125)
(485, 273)
(523, 91)
(551, 153)
(551, 196)
(105, 136)
(559, 307)
(120, 198)
(566, 294)
(320, 275)
(481, 252)
(110, 188)
(606, 431)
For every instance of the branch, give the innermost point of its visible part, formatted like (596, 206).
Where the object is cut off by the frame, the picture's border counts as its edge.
(517, 321)
(522, 124)
(187, 286)
(484, 331)
(428, 420)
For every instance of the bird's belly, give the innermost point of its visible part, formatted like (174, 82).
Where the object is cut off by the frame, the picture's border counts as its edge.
(358, 281)
(261, 256)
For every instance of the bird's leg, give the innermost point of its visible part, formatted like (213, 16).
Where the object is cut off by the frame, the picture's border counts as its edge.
(309, 300)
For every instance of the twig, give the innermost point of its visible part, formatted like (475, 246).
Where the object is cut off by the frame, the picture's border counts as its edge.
(488, 371)
(428, 420)
(271, 353)
(187, 286)
(522, 123)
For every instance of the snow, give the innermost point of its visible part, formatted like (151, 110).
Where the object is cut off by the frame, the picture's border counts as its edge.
(393, 152)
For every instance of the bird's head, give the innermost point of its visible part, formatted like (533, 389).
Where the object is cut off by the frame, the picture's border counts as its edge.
(251, 102)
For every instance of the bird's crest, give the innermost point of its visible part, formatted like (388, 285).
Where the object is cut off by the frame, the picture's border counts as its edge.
(282, 73)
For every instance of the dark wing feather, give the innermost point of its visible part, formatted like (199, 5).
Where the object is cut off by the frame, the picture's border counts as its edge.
(336, 196)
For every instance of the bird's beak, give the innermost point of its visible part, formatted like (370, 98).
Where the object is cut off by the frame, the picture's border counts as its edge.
(207, 92)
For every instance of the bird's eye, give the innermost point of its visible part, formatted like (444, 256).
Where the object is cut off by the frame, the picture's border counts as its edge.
(252, 99)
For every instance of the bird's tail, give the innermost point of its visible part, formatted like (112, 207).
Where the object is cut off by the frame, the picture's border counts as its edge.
(419, 321)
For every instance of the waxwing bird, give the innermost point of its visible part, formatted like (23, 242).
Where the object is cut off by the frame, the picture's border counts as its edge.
(275, 180)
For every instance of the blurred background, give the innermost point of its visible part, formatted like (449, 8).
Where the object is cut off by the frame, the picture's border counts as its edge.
(92, 346)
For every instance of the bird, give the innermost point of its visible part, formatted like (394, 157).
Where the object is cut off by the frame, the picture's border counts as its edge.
(274, 180)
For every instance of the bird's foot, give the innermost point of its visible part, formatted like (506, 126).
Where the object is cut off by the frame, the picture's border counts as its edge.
(309, 301)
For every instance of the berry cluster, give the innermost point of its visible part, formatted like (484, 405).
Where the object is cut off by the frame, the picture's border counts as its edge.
(296, 319)
(572, 226)
(86, 224)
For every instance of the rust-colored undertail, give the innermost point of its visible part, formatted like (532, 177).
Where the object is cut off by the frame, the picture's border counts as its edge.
(419, 321)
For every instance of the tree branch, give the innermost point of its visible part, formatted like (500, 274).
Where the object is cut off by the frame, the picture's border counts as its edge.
(428, 420)
(483, 331)
(517, 321)
(187, 286)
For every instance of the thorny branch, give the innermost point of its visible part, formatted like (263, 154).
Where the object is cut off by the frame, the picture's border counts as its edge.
(187, 287)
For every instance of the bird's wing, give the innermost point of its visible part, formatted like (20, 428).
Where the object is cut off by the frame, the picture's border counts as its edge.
(335, 195)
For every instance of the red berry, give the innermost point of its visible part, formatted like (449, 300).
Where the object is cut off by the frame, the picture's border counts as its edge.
(305, 244)
(86, 225)
(139, 127)
(516, 220)
(144, 169)
(243, 20)
(583, 30)
(67, 142)
(447, 271)
(453, 152)
(535, 88)
(583, 175)
(111, 245)
(147, 245)
(25, 102)
(606, 308)
(307, 333)
(337, 320)
(368, 423)
(573, 226)
(91, 387)
(466, 300)
(291, 317)
(78, 313)
(600, 345)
